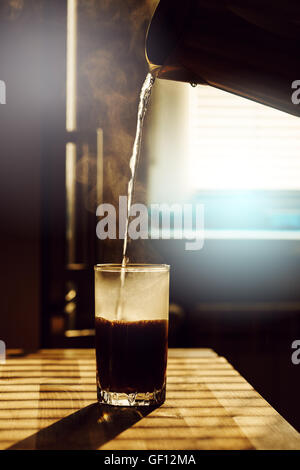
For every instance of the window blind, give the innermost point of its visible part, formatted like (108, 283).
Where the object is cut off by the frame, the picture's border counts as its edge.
(237, 144)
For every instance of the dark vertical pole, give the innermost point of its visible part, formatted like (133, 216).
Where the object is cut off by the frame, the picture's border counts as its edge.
(53, 164)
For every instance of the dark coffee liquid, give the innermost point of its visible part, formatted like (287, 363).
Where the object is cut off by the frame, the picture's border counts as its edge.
(131, 356)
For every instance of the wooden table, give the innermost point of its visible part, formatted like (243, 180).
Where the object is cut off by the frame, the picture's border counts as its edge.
(48, 401)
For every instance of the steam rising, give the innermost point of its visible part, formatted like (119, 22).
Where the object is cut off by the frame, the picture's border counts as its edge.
(112, 69)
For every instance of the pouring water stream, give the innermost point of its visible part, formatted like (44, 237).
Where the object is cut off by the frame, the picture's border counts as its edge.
(142, 108)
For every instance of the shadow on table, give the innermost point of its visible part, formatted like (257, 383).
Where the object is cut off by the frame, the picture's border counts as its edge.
(88, 428)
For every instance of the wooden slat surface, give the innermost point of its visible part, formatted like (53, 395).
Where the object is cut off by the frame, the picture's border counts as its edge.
(48, 401)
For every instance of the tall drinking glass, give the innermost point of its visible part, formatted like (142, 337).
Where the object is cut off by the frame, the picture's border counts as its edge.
(132, 309)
